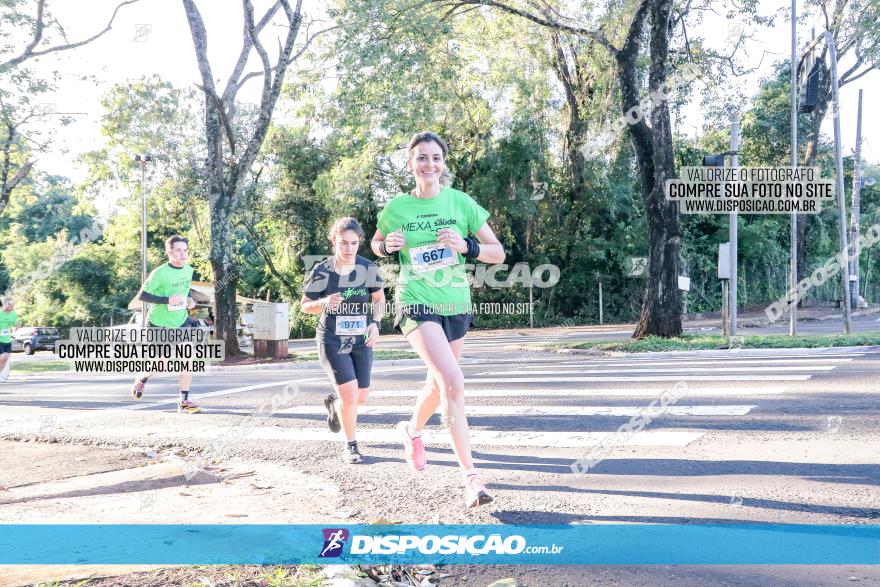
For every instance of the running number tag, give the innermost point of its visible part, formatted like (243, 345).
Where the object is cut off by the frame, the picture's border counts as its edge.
(431, 257)
(5, 332)
(175, 307)
(348, 325)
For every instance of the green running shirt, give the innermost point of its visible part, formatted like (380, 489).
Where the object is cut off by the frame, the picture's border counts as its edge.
(445, 288)
(7, 323)
(168, 280)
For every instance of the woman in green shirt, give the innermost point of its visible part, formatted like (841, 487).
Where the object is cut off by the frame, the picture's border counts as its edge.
(429, 229)
(8, 319)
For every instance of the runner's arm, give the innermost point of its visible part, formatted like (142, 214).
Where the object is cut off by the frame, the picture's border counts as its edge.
(393, 242)
(491, 250)
(311, 306)
(317, 306)
(146, 296)
(378, 299)
(378, 239)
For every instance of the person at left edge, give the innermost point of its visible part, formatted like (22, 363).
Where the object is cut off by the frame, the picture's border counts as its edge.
(8, 319)
(168, 288)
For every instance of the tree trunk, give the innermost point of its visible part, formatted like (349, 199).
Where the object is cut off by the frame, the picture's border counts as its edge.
(224, 177)
(661, 306)
(577, 92)
(660, 314)
(222, 205)
(226, 323)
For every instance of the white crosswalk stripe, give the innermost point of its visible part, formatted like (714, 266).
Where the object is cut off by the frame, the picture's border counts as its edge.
(681, 369)
(436, 438)
(770, 363)
(645, 379)
(612, 392)
(542, 386)
(546, 401)
(713, 410)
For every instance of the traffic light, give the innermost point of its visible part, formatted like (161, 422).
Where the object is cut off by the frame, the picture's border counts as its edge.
(808, 82)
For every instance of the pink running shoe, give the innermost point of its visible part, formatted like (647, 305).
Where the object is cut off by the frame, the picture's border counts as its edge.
(187, 407)
(137, 390)
(475, 491)
(413, 448)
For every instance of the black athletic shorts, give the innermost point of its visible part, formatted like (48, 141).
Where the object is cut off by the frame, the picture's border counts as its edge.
(345, 359)
(408, 318)
(5, 347)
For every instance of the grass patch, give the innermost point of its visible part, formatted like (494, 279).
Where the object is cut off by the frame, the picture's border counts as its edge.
(303, 576)
(696, 342)
(390, 355)
(41, 366)
(378, 355)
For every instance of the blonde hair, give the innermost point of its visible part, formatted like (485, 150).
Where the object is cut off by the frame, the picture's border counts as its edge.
(428, 137)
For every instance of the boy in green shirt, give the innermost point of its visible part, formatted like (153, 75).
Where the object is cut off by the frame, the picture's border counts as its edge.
(168, 288)
(8, 318)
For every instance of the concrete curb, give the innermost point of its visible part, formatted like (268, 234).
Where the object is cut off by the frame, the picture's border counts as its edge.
(857, 314)
(724, 352)
(286, 366)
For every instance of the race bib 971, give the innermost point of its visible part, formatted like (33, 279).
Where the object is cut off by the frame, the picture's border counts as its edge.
(348, 325)
(431, 257)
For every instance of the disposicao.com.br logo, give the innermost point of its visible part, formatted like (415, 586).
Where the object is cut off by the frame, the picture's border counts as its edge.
(334, 540)
(479, 544)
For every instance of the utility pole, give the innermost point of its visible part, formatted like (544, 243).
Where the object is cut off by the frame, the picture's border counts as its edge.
(734, 162)
(793, 277)
(805, 59)
(855, 217)
(841, 199)
(143, 159)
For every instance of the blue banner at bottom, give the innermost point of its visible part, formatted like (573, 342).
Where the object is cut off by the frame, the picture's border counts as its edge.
(601, 544)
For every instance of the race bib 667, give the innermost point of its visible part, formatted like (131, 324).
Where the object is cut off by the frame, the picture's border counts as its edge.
(431, 257)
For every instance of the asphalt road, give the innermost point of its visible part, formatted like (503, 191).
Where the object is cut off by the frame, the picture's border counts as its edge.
(476, 339)
(759, 436)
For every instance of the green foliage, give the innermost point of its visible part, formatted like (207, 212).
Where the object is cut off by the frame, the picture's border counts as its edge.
(484, 80)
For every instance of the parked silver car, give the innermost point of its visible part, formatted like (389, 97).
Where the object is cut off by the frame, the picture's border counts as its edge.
(31, 339)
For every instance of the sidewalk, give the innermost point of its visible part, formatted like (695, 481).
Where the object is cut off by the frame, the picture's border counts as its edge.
(750, 317)
(756, 314)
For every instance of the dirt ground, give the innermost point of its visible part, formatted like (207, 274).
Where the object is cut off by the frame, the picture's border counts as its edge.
(72, 484)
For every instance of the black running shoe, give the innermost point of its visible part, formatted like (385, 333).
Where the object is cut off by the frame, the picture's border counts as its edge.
(351, 454)
(332, 417)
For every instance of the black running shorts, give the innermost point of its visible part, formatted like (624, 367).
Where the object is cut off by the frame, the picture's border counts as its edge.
(410, 317)
(345, 360)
